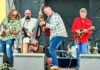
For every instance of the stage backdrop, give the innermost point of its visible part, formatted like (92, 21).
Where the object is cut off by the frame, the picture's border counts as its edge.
(68, 9)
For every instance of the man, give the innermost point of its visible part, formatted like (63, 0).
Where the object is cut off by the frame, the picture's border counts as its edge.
(82, 29)
(57, 33)
(28, 29)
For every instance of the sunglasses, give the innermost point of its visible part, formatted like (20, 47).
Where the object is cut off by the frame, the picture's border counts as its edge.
(14, 16)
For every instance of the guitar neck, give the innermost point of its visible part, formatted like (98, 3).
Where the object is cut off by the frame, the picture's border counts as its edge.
(91, 28)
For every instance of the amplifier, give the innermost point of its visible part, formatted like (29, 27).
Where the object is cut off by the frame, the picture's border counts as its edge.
(67, 62)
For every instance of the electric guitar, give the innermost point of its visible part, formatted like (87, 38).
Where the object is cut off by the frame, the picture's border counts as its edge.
(80, 35)
(4, 29)
(7, 30)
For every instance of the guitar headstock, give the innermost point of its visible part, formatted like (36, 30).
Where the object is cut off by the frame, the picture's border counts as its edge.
(93, 27)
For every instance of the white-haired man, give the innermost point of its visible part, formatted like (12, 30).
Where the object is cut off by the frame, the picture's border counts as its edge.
(82, 29)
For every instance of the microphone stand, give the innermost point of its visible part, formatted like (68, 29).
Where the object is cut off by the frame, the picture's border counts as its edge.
(22, 31)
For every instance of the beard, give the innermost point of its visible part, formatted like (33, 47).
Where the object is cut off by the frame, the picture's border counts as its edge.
(27, 18)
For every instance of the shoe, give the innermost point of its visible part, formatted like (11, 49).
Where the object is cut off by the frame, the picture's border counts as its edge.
(54, 68)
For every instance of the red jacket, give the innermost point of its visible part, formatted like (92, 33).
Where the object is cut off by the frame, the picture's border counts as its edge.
(78, 25)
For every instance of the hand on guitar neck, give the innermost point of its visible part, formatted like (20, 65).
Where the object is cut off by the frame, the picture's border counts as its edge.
(79, 33)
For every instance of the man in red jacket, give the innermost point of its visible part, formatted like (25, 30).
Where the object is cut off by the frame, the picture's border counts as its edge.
(82, 29)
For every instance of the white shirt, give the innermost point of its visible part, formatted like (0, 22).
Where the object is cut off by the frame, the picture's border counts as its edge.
(29, 25)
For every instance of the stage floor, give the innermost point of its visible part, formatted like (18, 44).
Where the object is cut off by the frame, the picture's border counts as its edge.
(67, 68)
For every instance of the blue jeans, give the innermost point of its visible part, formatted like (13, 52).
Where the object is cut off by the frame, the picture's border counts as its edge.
(82, 48)
(55, 43)
(7, 48)
(0, 46)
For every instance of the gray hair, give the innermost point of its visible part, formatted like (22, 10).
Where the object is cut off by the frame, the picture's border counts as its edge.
(83, 10)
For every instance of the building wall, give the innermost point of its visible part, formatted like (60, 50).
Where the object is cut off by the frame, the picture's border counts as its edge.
(2, 9)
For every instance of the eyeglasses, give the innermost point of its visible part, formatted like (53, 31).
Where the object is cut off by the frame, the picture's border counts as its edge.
(14, 15)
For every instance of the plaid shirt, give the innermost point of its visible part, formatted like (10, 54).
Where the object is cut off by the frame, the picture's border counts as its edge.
(56, 25)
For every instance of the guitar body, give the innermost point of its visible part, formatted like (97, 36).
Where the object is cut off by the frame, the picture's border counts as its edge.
(80, 35)
(47, 31)
(33, 48)
(44, 28)
(2, 32)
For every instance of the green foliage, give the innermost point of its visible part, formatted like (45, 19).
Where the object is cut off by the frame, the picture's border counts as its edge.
(6, 66)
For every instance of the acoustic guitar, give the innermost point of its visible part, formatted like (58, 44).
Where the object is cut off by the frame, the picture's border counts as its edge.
(80, 35)
(44, 28)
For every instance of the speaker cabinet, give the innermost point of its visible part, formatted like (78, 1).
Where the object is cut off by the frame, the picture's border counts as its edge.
(1, 58)
(90, 62)
(34, 61)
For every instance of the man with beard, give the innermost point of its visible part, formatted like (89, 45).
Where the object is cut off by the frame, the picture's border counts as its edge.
(28, 29)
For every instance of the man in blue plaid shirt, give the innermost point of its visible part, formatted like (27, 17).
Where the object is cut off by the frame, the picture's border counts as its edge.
(57, 32)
